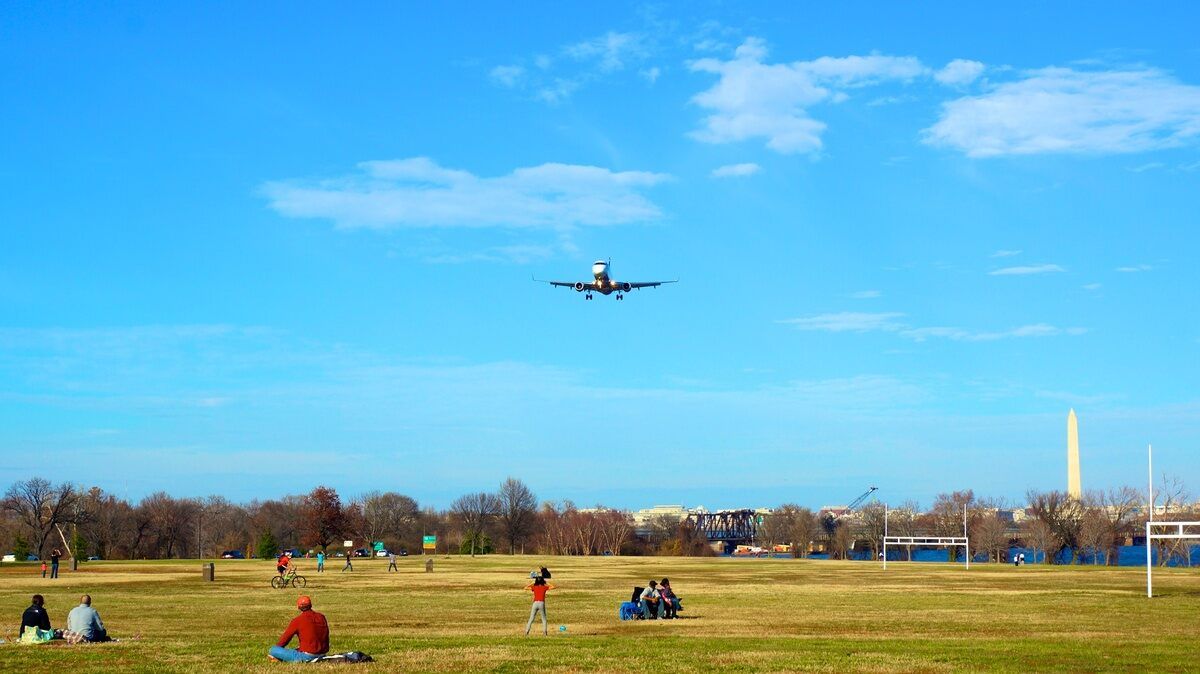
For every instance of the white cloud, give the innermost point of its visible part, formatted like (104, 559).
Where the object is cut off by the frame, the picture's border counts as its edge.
(507, 76)
(1147, 167)
(417, 192)
(1026, 270)
(753, 99)
(556, 78)
(1006, 253)
(959, 72)
(866, 294)
(848, 321)
(960, 334)
(609, 51)
(1091, 286)
(733, 170)
(1064, 110)
(1133, 269)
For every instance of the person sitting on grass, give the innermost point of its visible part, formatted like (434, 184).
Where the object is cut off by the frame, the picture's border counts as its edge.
(36, 621)
(310, 628)
(651, 602)
(84, 622)
(670, 602)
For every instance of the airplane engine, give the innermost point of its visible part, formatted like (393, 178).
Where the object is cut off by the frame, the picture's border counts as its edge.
(579, 286)
(626, 287)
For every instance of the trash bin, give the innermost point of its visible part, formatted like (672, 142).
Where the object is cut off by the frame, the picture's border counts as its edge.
(209, 571)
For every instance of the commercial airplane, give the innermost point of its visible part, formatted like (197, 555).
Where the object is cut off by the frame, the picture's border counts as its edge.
(603, 284)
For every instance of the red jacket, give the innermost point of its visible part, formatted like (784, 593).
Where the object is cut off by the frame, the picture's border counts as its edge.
(313, 631)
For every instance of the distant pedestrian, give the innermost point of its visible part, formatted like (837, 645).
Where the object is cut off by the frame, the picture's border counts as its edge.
(392, 563)
(348, 566)
(321, 562)
(1022, 559)
(54, 563)
(539, 587)
(43, 568)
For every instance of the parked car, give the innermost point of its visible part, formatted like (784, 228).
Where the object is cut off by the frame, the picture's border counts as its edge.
(403, 552)
(11, 557)
(382, 553)
(233, 554)
(361, 552)
(94, 558)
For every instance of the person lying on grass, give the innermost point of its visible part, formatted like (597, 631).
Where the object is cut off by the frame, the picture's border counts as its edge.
(312, 630)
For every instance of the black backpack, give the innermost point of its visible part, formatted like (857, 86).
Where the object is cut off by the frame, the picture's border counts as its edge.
(353, 657)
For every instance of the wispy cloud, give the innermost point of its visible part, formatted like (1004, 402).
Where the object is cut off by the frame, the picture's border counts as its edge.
(1067, 110)
(1133, 269)
(959, 72)
(755, 99)
(852, 321)
(1091, 286)
(417, 192)
(961, 334)
(736, 170)
(1027, 270)
(848, 321)
(1005, 253)
(1147, 167)
(555, 77)
(507, 76)
(866, 294)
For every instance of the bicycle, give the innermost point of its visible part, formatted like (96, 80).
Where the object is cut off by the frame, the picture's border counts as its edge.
(291, 578)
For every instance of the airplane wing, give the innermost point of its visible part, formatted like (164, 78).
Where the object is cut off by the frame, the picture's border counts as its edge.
(561, 284)
(650, 284)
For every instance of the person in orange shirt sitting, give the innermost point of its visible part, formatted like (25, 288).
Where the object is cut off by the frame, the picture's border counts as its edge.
(539, 587)
(312, 630)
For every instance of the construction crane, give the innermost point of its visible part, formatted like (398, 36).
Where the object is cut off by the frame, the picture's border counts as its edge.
(858, 501)
(831, 517)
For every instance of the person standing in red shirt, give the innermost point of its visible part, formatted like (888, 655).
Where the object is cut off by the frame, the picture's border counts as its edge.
(539, 587)
(312, 630)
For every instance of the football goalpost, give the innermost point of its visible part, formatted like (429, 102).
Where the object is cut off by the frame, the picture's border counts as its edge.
(937, 541)
(1169, 531)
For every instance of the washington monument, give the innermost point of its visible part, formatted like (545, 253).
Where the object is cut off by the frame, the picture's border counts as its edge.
(1073, 486)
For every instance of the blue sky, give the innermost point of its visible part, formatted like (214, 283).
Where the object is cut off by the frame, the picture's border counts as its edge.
(251, 250)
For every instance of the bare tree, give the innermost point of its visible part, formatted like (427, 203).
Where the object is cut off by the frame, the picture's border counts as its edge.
(871, 526)
(386, 516)
(989, 533)
(518, 511)
(1038, 535)
(804, 531)
(948, 514)
(474, 513)
(1063, 515)
(616, 528)
(41, 507)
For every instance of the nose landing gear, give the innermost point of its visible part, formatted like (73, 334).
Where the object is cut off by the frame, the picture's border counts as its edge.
(620, 296)
(587, 296)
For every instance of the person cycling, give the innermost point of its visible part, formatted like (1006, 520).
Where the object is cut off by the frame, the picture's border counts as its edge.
(282, 564)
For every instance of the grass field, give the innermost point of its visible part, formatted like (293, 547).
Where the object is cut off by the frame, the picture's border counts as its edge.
(760, 615)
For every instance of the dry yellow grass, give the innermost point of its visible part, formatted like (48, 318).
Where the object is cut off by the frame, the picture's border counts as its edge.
(764, 615)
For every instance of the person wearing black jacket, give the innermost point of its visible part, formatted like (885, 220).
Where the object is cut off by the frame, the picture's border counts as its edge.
(35, 616)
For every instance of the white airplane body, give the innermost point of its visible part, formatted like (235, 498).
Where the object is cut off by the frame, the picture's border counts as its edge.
(604, 284)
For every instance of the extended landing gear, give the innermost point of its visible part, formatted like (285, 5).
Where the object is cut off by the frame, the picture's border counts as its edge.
(587, 296)
(620, 296)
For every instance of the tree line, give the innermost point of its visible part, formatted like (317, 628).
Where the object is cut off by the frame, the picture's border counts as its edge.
(37, 516)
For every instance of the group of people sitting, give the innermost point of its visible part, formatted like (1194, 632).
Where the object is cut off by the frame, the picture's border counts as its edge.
(83, 623)
(657, 600)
